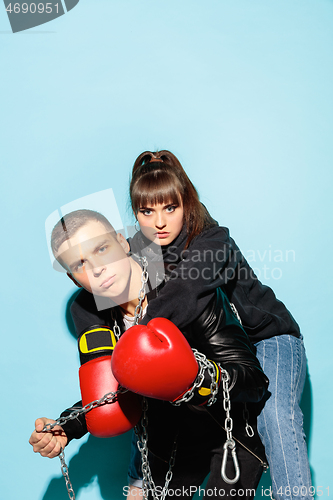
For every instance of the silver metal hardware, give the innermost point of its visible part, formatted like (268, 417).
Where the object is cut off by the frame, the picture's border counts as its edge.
(204, 364)
(228, 424)
(148, 482)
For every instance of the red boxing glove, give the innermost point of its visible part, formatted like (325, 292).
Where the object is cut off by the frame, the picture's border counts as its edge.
(110, 419)
(155, 360)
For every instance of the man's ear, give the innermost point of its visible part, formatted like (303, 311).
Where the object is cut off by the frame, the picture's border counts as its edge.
(74, 280)
(123, 242)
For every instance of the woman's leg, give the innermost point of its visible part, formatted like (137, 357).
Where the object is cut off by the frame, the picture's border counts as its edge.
(280, 423)
(134, 475)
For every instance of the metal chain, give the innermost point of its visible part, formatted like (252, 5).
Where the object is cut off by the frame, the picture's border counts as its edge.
(204, 364)
(64, 470)
(228, 424)
(141, 297)
(142, 291)
(108, 398)
(148, 483)
(248, 428)
(236, 313)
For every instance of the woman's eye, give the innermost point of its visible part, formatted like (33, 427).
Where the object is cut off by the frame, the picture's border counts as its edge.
(171, 209)
(146, 211)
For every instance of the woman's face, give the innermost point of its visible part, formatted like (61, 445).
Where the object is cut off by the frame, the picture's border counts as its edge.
(161, 223)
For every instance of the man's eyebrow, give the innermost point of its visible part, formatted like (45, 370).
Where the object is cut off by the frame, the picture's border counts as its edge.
(75, 263)
(100, 244)
(97, 247)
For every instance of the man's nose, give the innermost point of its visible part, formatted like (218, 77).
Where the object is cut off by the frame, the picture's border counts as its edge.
(97, 267)
(97, 271)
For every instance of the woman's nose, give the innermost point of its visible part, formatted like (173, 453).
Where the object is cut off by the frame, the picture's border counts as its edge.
(160, 221)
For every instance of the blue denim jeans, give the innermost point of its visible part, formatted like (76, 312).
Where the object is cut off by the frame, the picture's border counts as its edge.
(134, 475)
(280, 424)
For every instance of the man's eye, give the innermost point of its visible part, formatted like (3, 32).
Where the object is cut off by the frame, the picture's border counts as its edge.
(102, 249)
(79, 267)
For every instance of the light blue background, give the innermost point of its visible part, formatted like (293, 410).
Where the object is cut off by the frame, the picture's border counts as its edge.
(241, 91)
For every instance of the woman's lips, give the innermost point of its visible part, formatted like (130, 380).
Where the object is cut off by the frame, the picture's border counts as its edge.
(162, 235)
(108, 282)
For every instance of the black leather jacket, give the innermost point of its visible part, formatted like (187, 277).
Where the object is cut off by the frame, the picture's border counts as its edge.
(216, 333)
(213, 260)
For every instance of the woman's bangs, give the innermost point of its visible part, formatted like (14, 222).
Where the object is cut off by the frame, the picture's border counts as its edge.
(152, 190)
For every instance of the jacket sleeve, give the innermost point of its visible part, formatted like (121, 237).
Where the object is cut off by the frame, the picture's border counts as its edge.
(208, 263)
(77, 427)
(84, 314)
(218, 334)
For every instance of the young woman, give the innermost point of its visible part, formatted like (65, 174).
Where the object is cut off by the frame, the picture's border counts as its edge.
(200, 256)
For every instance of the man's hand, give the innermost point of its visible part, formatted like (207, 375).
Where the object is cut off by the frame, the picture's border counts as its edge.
(49, 443)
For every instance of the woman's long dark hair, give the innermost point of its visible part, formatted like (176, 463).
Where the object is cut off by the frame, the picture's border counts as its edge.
(158, 177)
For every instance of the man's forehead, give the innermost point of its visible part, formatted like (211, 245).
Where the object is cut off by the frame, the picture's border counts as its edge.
(86, 237)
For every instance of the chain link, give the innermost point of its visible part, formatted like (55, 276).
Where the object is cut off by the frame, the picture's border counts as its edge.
(141, 297)
(204, 364)
(228, 424)
(148, 483)
(248, 428)
(142, 291)
(108, 398)
(64, 470)
(236, 313)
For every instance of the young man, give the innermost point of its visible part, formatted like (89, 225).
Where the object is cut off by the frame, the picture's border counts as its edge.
(97, 259)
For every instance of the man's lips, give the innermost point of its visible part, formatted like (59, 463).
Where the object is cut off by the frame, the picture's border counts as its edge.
(108, 282)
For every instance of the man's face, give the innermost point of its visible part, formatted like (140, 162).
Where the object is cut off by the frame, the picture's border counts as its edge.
(97, 260)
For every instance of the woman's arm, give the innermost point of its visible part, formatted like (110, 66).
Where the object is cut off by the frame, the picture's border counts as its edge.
(210, 262)
(218, 334)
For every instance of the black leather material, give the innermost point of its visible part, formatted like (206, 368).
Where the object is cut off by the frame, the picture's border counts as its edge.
(218, 334)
